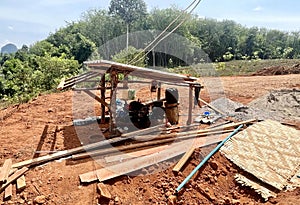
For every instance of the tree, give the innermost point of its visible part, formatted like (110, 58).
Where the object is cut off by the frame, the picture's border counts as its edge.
(129, 11)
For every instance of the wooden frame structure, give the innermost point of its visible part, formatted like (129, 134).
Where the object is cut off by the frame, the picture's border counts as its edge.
(103, 68)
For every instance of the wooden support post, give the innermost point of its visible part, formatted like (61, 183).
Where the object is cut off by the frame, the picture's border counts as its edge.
(21, 183)
(102, 84)
(189, 121)
(158, 91)
(113, 97)
(184, 159)
(4, 171)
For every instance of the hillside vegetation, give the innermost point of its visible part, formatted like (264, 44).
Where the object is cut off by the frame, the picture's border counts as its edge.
(233, 48)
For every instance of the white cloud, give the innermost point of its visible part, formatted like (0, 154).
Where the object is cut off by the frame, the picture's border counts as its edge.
(10, 28)
(258, 8)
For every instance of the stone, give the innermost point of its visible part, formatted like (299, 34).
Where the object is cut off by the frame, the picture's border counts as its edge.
(214, 165)
(40, 199)
(172, 200)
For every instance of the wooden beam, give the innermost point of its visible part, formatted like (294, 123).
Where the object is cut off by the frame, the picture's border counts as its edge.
(88, 147)
(141, 162)
(8, 192)
(21, 183)
(212, 107)
(184, 159)
(97, 98)
(130, 155)
(157, 141)
(4, 172)
(103, 191)
(13, 178)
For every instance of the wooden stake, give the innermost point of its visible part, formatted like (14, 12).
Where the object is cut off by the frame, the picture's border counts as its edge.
(5, 170)
(184, 159)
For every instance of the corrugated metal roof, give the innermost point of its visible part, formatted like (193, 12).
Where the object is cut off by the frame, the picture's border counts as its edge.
(103, 66)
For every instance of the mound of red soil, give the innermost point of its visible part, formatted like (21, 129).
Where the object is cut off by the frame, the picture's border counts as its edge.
(278, 70)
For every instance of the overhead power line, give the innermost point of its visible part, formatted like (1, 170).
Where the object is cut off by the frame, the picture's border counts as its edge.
(184, 12)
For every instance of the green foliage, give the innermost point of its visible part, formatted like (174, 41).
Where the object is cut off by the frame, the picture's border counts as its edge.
(128, 10)
(126, 56)
(72, 43)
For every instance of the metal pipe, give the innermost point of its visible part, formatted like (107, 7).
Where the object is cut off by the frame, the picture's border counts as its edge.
(206, 159)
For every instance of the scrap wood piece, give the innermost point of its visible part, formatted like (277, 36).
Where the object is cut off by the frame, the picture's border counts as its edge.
(145, 161)
(70, 152)
(21, 183)
(8, 192)
(103, 191)
(258, 187)
(184, 159)
(4, 171)
(268, 150)
(212, 107)
(13, 178)
(135, 154)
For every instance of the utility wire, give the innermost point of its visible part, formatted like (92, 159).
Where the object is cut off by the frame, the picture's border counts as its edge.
(164, 31)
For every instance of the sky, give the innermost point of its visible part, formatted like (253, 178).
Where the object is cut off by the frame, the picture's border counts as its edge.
(28, 21)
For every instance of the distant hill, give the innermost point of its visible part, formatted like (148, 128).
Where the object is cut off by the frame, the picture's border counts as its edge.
(9, 48)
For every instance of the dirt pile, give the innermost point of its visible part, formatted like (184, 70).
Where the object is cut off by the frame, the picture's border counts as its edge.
(278, 70)
(280, 104)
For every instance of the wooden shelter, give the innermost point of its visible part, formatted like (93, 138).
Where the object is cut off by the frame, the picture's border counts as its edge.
(111, 73)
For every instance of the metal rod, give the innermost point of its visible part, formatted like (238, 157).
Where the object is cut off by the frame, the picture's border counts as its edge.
(206, 159)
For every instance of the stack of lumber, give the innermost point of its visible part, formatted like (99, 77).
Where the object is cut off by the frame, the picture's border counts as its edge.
(10, 176)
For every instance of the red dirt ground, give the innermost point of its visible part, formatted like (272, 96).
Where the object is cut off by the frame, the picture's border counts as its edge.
(21, 134)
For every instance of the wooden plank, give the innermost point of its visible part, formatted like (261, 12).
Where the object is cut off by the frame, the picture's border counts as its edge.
(13, 178)
(141, 162)
(88, 147)
(103, 191)
(130, 155)
(157, 141)
(5, 170)
(91, 94)
(8, 192)
(184, 159)
(212, 107)
(21, 183)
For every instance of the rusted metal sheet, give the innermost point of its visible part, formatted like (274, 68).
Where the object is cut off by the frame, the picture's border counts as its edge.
(268, 150)
(103, 65)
